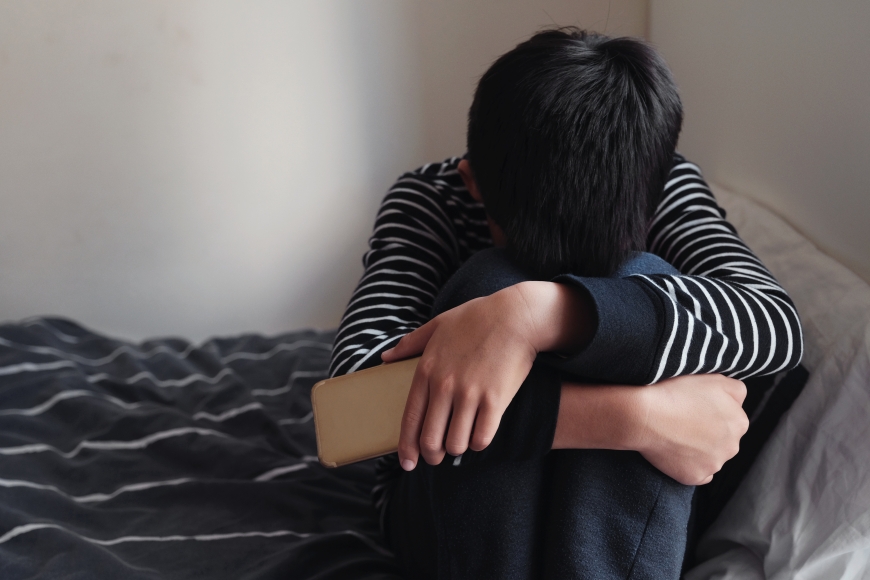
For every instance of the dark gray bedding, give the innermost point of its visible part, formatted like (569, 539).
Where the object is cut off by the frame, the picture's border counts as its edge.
(170, 460)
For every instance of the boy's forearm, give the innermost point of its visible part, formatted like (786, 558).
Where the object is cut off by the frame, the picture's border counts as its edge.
(598, 417)
(686, 426)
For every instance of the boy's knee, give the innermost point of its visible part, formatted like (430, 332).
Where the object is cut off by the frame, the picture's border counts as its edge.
(484, 273)
(491, 270)
(619, 504)
(645, 263)
(624, 477)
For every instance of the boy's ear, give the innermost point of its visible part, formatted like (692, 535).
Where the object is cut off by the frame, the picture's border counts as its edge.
(499, 240)
(464, 169)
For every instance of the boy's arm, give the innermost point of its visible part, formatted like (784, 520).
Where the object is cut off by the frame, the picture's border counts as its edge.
(726, 314)
(687, 426)
(411, 253)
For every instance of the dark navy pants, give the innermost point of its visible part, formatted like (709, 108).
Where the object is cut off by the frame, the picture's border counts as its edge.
(519, 510)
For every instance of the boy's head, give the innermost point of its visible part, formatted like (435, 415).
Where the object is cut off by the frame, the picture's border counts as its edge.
(570, 139)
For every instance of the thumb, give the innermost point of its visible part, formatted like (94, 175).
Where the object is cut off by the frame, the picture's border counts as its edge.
(411, 344)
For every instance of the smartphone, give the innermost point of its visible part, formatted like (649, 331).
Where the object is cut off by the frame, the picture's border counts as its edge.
(359, 416)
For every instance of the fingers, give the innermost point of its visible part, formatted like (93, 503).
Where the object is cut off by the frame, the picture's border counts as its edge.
(435, 426)
(411, 344)
(461, 424)
(738, 391)
(439, 419)
(739, 421)
(457, 417)
(735, 388)
(488, 418)
(412, 420)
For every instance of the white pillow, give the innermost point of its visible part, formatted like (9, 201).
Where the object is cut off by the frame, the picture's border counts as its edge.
(803, 510)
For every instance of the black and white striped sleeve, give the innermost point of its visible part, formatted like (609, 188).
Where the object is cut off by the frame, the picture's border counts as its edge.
(412, 252)
(724, 314)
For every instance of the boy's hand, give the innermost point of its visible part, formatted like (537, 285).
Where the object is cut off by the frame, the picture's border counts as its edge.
(692, 426)
(687, 426)
(475, 358)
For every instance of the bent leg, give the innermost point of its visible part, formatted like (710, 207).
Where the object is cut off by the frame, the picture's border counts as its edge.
(485, 273)
(515, 510)
(470, 521)
(613, 515)
(480, 515)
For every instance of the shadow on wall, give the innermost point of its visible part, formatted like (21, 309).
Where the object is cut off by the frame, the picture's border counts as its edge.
(206, 168)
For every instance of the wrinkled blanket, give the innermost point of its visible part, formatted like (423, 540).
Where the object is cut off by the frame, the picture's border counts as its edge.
(168, 459)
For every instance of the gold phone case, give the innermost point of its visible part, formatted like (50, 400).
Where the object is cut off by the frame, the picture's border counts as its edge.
(359, 416)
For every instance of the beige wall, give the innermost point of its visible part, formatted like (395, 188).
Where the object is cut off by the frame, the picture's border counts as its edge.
(202, 167)
(459, 39)
(777, 99)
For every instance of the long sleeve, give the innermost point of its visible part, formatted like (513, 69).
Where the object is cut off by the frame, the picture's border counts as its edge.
(412, 252)
(724, 314)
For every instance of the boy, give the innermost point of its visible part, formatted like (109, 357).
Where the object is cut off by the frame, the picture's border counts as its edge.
(571, 169)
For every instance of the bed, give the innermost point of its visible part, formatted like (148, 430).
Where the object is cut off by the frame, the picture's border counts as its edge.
(171, 459)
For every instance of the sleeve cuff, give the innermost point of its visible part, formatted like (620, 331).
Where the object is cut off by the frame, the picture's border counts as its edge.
(626, 337)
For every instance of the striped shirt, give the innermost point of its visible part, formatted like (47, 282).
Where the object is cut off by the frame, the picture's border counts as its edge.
(724, 314)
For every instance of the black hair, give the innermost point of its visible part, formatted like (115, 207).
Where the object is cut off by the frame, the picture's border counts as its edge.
(571, 136)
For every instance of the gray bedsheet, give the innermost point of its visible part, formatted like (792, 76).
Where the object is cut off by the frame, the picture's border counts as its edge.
(171, 460)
